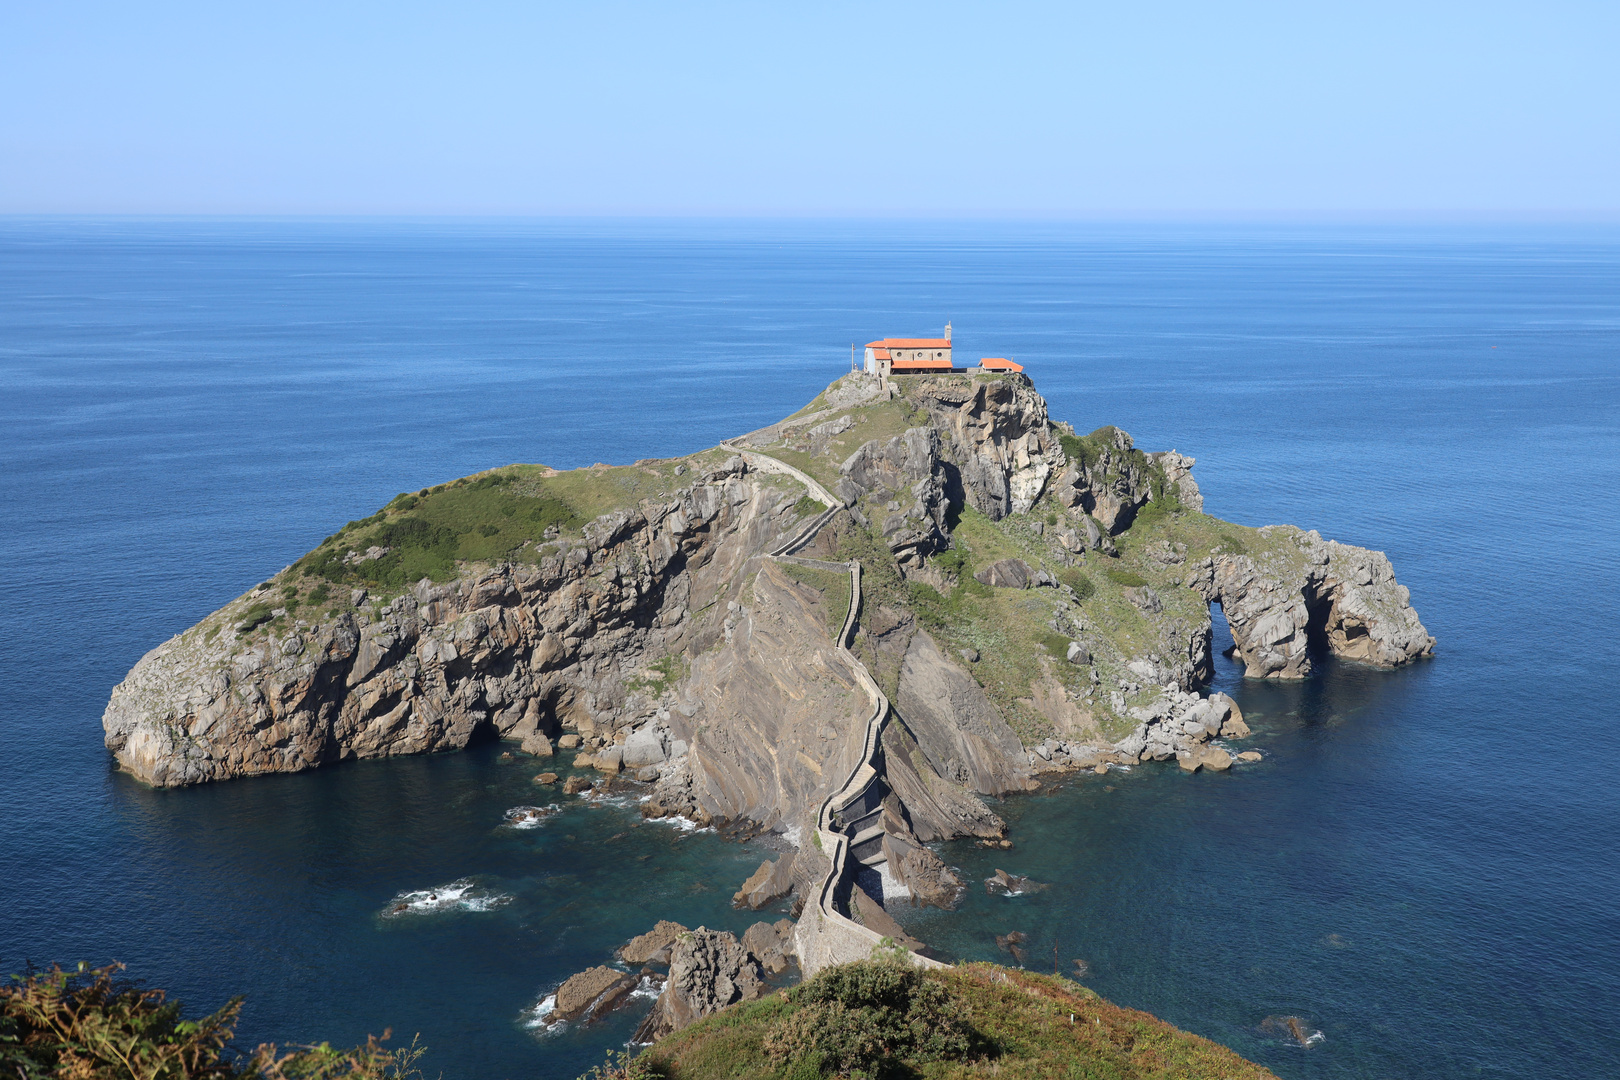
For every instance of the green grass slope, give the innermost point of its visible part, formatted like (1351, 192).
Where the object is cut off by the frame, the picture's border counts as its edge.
(884, 1020)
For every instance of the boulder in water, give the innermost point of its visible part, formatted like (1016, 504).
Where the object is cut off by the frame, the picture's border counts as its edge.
(1007, 884)
(653, 946)
(591, 993)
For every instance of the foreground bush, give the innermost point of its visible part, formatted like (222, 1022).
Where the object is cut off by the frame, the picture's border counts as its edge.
(878, 1019)
(873, 1017)
(91, 1024)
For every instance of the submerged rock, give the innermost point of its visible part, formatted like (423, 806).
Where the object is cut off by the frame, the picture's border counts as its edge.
(1002, 883)
(1292, 1028)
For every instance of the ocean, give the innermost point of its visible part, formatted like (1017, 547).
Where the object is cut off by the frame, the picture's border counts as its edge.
(1423, 868)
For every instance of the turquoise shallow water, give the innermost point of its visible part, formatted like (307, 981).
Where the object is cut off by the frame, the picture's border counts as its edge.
(1422, 868)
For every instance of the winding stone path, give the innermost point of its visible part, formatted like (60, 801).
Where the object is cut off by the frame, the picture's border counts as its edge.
(824, 935)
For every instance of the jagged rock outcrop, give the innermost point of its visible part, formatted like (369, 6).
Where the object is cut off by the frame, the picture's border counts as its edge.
(1001, 445)
(924, 874)
(772, 881)
(1012, 574)
(1340, 596)
(1175, 724)
(1178, 472)
(1110, 480)
(907, 476)
(708, 970)
(771, 944)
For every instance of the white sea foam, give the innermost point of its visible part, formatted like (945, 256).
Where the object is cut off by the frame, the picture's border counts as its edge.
(538, 1018)
(648, 988)
(462, 895)
(596, 798)
(675, 821)
(530, 817)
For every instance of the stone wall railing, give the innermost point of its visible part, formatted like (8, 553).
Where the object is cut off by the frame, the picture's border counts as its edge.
(824, 935)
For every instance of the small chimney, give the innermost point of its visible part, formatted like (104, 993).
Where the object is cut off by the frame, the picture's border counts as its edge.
(947, 331)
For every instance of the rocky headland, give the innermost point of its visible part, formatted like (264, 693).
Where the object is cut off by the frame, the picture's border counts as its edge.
(846, 628)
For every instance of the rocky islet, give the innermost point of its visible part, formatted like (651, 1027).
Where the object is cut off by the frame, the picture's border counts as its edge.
(663, 640)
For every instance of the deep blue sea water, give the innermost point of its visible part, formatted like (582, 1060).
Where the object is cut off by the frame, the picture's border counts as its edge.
(1424, 867)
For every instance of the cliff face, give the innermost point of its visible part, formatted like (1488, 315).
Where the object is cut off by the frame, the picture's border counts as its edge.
(561, 641)
(1033, 600)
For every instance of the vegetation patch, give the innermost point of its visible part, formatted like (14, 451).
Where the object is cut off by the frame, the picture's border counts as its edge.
(1076, 579)
(881, 582)
(93, 1024)
(255, 616)
(1128, 578)
(834, 587)
(425, 535)
(660, 676)
(877, 1019)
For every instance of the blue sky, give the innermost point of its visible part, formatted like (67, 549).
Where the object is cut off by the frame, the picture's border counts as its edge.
(1123, 110)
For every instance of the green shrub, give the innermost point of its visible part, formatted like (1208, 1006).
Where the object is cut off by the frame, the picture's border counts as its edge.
(257, 615)
(624, 1065)
(931, 609)
(881, 581)
(1233, 543)
(319, 594)
(1056, 644)
(972, 586)
(1074, 448)
(91, 1024)
(951, 561)
(1129, 578)
(663, 674)
(1155, 512)
(1076, 579)
(807, 506)
(876, 1016)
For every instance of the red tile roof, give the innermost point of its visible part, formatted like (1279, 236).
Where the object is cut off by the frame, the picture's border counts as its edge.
(997, 363)
(909, 343)
(879, 354)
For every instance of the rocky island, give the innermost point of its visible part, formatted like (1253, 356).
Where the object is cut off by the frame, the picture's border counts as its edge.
(845, 628)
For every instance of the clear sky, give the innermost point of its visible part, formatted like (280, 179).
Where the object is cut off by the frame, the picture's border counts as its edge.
(1075, 110)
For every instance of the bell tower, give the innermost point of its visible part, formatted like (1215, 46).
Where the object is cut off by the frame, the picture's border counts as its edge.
(947, 331)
